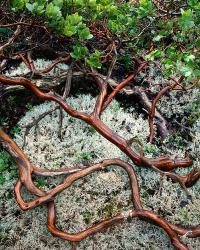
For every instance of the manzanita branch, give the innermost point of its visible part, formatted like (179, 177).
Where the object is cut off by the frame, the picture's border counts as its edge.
(10, 40)
(121, 85)
(140, 93)
(9, 25)
(163, 163)
(25, 168)
(153, 109)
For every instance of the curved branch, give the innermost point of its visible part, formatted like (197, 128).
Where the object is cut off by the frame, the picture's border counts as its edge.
(163, 163)
(57, 61)
(121, 85)
(25, 168)
(48, 196)
(153, 109)
(144, 100)
(184, 180)
(9, 25)
(51, 173)
(11, 39)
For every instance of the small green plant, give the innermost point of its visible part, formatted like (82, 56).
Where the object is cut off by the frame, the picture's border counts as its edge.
(110, 210)
(184, 214)
(175, 141)
(91, 130)
(16, 130)
(127, 22)
(87, 217)
(194, 109)
(84, 156)
(8, 168)
(151, 149)
(40, 181)
(29, 106)
(94, 59)
(11, 99)
(126, 61)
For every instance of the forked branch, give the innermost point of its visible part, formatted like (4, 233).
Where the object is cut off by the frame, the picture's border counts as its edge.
(163, 163)
(49, 197)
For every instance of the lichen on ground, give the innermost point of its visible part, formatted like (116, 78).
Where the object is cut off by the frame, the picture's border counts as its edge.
(101, 194)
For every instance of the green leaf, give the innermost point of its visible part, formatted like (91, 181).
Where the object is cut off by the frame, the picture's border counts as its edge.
(169, 25)
(58, 3)
(30, 7)
(94, 60)
(145, 8)
(5, 31)
(114, 26)
(172, 53)
(192, 3)
(2, 179)
(36, 8)
(189, 57)
(52, 11)
(85, 34)
(74, 19)
(186, 21)
(157, 38)
(155, 54)
(168, 64)
(92, 3)
(78, 52)
(197, 72)
(198, 43)
(69, 30)
(185, 70)
(18, 4)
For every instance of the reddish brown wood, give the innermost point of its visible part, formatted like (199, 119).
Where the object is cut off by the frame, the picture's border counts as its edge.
(25, 168)
(153, 109)
(121, 85)
(161, 164)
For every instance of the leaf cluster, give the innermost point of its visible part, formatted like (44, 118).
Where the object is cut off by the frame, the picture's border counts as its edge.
(174, 32)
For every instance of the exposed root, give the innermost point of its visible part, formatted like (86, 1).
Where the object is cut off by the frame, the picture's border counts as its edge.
(153, 108)
(25, 179)
(163, 164)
